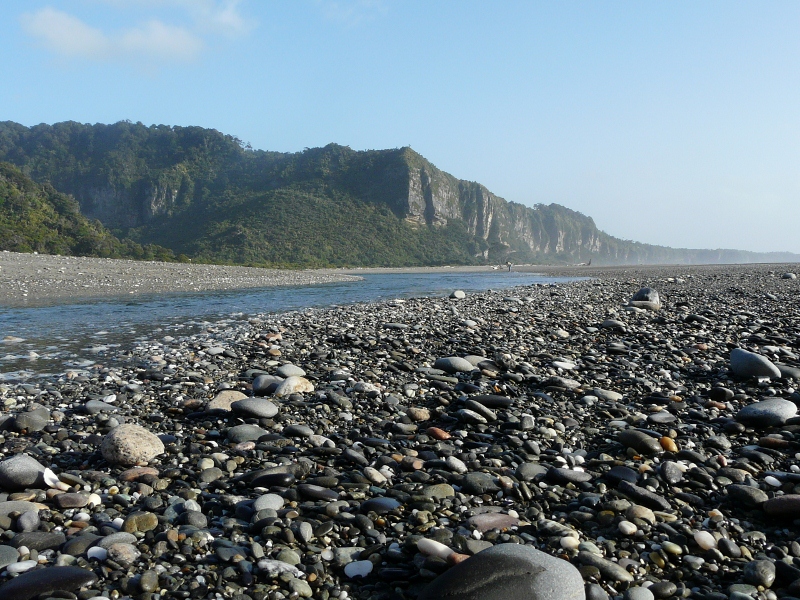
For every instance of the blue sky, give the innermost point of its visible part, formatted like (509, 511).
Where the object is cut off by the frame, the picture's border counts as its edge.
(669, 123)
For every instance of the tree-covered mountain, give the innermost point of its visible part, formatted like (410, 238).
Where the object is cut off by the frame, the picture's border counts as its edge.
(205, 194)
(37, 218)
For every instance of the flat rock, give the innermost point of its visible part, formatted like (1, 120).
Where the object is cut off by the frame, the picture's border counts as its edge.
(453, 364)
(245, 433)
(746, 364)
(639, 441)
(293, 385)
(506, 572)
(787, 506)
(289, 370)
(223, 400)
(488, 521)
(258, 408)
(20, 506)
(767, 413)
(609, 570)
(46, 581)
(746, 495)
(130, 444)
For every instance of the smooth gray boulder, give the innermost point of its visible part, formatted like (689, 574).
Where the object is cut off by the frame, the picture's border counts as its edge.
(746, 364)
(21, 471)
(453, 364)
(507, 572)
(767, 413)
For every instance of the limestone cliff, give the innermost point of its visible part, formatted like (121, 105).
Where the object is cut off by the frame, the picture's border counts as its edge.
(203, 193)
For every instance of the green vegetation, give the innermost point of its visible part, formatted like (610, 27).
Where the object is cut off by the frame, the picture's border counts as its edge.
(206, 195)
(37, 218)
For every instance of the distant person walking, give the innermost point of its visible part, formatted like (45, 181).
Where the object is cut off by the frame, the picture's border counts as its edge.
(508, 264)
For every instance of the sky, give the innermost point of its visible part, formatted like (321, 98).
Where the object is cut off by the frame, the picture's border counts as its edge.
(671, 123)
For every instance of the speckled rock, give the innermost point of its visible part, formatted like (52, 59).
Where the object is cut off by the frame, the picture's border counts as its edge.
(130, 444)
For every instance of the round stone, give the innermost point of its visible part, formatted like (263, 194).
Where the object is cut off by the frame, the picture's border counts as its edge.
(508, 571)
(21, 471)
(746, 364)
(245, 433)
(130, 444)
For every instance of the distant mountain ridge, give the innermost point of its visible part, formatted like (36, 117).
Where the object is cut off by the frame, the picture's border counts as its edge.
(204, 194)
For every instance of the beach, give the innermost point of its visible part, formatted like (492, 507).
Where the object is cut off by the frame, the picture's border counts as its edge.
(580, 440)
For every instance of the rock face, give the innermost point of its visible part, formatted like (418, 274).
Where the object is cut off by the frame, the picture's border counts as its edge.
(130, 444)
(749, 364)
(164, 189)
(508, 571)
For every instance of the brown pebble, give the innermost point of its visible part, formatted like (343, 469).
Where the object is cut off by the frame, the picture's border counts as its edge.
(772, 442)
(668, 444)
(439, 434)
(137, 472)
(456, 558)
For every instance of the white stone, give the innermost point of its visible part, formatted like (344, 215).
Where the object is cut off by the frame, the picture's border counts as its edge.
(627, 528)
(773, 481)
(22, 566)
(434, 548)
(358, 568)
(569, 542)
(705, 540)
(97, 552)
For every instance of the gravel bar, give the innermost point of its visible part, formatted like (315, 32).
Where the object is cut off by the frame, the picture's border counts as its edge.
(634, 436)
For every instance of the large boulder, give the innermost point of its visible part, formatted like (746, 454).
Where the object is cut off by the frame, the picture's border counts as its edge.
(745, 364)
(507, 572)
(130, 444)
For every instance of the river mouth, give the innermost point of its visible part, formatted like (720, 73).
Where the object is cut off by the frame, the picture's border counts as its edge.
(47, 341)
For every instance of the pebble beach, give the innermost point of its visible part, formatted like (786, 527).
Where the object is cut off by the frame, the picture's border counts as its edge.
(634, 435)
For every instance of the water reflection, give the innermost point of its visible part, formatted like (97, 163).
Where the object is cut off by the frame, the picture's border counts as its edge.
(49, 340)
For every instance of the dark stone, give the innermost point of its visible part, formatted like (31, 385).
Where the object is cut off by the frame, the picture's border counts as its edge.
(46, 581)
(505, 572)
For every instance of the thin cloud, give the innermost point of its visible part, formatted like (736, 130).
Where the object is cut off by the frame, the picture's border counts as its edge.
(160, 41)
(352, 12)
(66, 35)
(152, 42)
(215, 17)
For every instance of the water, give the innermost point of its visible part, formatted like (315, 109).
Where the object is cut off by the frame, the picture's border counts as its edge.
(43, 341)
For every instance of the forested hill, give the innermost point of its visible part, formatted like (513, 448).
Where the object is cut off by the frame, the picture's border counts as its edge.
(206, 195)
(37, 218)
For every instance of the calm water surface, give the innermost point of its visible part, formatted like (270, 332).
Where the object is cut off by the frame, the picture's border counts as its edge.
(42, 341)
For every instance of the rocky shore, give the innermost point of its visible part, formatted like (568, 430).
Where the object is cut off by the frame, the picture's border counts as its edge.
(592, 439)
(41, 279)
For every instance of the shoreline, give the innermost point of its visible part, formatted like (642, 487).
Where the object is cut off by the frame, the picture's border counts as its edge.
(30, 280)
(345, 452)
